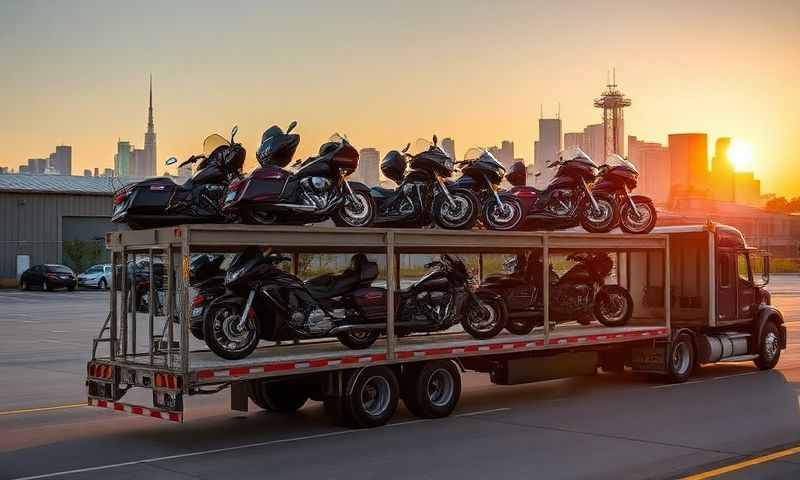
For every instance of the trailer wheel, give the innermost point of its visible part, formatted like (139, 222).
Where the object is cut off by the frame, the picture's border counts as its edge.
(769, 347)
(681, 359)
(280, 397)
(432, 389)
(373, 397)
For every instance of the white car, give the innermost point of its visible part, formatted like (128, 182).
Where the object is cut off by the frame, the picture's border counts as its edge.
(98, 276)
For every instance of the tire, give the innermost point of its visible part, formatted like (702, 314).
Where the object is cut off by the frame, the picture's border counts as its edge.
(372, 398)
(71, 289)
(769, 347)
(252, 217)
(644, 224)
(593, 223)
(197, 332)
(44, 285)
(681, 359)
(23, 285)
(487, 320)
(504, 217)
(280, 397)
(613, 306)
(102, 285)
(220, 331)
(432, 389)
(358, 339)
(346, 216)
(464, 217)
(520, 326)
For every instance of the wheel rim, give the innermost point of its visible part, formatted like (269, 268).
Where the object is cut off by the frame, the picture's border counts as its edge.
(504, 214)
(457, 215)
(440, 387)
(375, 396)
(227, 332)
(356, 215)
(640, 222)
(680, 358)
(771, 346)
(264, 218)
(482, 317)
(601, 216)
(359, 335)
(614, 307)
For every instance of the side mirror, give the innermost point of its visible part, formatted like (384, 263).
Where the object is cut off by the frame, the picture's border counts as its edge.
(408, 145)
(537, 174)
(234, 130)
(171, 161)
(291, 126)
(435, 140)
(759, 266)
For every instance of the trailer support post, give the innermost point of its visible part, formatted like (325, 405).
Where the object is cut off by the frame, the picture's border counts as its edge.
(170, 303)
(391, 288)
(151, 310)
(546, 287)
(239, 396)
(126, 304)
(112, 343)
(667, 287)
(185, 313)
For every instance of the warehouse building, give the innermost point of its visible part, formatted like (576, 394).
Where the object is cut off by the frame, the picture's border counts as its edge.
(53, 219)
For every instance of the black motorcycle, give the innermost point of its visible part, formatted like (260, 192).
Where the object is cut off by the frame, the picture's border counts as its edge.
(160, 202)
(579, 295)
(422, 196)
(265, 302)
(618, 177)
(566, 202)
(316, 191)
(208, 278)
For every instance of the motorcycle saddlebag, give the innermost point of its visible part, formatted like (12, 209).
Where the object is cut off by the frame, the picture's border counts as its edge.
(394, 166)
(371, 303)
(517, 175)
(152, 195)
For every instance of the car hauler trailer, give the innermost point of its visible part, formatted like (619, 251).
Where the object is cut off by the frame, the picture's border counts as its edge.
(696, 301)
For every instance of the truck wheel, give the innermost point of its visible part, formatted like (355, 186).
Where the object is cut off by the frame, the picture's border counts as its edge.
(373, 399)
(681, 359)
(769, 347)
(432, 390)
(280, 397)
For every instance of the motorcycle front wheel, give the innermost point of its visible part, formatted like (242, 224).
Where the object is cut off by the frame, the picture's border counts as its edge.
(613, 306)
(505, 216)
(461, 215)
(485, 319)
(355, 213)
(642, 220)
(602, 219)
(223, 335)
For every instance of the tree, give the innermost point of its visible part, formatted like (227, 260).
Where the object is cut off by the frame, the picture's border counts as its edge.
(779, 204)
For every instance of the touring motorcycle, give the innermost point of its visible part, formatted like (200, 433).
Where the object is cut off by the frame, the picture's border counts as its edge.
(618, 177)
(316, 191)
(160, 202)
(422, 196)
(579, 295)
(566, 202)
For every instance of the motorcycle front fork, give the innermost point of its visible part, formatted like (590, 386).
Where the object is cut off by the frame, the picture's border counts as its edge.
(595, 206)
(243, 319)
(631, 203)
(446, 192)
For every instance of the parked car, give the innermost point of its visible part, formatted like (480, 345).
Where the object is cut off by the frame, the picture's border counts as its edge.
(48, 277)
(98, 276)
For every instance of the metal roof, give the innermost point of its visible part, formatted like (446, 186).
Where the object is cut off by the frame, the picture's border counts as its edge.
(61, 184)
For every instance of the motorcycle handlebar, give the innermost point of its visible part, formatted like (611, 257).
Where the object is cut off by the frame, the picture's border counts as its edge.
(191, 159)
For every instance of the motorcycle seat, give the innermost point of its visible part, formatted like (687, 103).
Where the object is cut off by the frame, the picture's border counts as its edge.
(361, 271)
(528, 188)
(381, 192)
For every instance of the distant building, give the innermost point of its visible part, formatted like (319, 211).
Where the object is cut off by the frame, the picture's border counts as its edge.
(747, 189)
(147, 166)
(139, 163)
(573, 139)
(185, 171)
(688, 155)
(369, 163)
(23, 170)
(449, 147)
(122, 160)
(723, 183)
(87, 172)
(3, 170)
(506, 153)
(546, 149)
(61, 160)
(37, 165)
(594, 143)
(108, 172)
(653, 162)
(96, 172)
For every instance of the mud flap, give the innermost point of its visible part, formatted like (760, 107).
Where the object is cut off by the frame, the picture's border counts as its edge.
(649, 358)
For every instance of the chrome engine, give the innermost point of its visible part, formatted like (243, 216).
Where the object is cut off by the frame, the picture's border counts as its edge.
(317, 192)
(432, 306)
(561, 201)
(314, 321)
(571, 298)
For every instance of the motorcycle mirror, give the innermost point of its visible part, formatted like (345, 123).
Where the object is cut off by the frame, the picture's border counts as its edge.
(291, 126)
(233, 132)
(171, 161)
(435, 140)
(408, 145)
(537, 174)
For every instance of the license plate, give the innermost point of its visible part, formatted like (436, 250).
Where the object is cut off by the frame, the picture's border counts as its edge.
(197, 311)
(230, 197)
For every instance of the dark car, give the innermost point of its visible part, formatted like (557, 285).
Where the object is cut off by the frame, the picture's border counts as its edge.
(48, 277)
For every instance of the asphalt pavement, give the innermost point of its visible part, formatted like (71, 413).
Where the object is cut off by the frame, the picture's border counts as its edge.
(729, 416)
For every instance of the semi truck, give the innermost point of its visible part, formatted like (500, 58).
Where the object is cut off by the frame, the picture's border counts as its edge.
(698, 292)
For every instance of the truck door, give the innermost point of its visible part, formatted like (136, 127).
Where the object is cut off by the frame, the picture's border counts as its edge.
(746, 292)
(726, 287)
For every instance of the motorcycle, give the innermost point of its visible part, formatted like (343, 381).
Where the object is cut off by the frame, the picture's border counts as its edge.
(422, 196)
(567, 201)
(481, 173)
(265, 302)
(316, 191)
(579, 295)
(207, 276)
(617, 178)
(160, 202)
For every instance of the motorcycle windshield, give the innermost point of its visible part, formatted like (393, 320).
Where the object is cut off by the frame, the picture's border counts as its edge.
(615, 160)
(422, 145)
(575, 154)
(213, 142)
(484, 159)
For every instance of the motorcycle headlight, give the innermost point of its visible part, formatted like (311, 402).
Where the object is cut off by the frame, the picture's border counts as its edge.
(233, 275)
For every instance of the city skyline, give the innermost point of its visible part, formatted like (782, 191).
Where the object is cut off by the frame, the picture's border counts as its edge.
(701, 77)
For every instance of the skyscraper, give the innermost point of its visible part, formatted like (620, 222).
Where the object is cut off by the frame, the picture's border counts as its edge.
(37, 165)
(688, 159)
(369, 160)
(594, 143)
(722, 179)
(61, 160)
(148, 165)
(506, 153)
(573, 139)
(546, 149)
(449, 147)
(653, 162)
(122, 160)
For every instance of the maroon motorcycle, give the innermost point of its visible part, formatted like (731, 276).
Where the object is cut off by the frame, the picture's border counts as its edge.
(618, 177)
(566, 202)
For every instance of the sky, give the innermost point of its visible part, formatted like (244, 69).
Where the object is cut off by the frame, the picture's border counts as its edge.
(386, 73)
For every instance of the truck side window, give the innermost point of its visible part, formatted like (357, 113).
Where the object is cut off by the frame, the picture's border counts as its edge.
(742, 267)
(724, 270)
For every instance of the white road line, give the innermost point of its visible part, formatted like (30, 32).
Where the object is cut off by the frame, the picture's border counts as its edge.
(735, 375)
(231, 449)
(706, 380)
(678, 384)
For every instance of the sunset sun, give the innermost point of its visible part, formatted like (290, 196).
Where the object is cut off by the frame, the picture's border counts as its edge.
(741, 155)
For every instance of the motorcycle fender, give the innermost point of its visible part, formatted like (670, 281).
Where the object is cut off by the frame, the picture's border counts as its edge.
(490, 293)
(358, 186)
(642, 199)
(228, 297)
(768, 313)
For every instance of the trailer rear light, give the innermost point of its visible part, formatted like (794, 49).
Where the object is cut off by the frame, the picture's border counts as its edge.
(235, 186)
(121, 196)
(97, 370)
(166, 380)
(198, 301)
